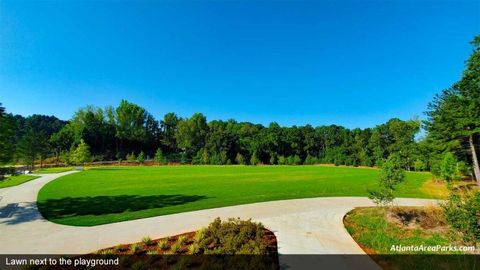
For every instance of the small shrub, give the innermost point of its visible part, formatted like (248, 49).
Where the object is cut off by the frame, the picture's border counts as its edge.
(199, 235)
(147, 241)
(135, 248)
(163, 244)
(141, 157)
(239, 159)
(106, 252)
(182, 240)
(231, 237)
(310, 160)
(392, 173)
(273, 160)
(152, 252)
(254, 159)
(419, 165)
(194, 248)
(282, 160)
(131, 157)
(297, 160)
(159, 157)
(462, 211)
(175, 247)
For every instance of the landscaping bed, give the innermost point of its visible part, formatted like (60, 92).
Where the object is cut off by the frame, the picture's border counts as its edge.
(231, 244)
(387, 234)
(230, 237)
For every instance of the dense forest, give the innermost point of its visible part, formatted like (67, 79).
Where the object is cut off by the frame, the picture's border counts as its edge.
(130, 132)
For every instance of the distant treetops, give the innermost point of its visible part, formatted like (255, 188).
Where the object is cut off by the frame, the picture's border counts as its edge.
(116, 133)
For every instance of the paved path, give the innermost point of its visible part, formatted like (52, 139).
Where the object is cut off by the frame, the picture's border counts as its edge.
(302, 226)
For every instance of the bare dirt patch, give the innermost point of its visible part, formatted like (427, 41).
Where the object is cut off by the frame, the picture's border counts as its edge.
(425, 218)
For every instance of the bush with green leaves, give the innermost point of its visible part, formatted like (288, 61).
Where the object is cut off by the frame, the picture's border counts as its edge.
(392, 173)
(135, 248)
(464, 169)
(310, 160)
(147, 240)
(254, 159)
(231, 237)
(80, 154)
(159, 157)
(141, 157)
(419, 165)
(273, 160)
(281, 160)
(175, 247)
(183, 158)
(462, 211)
(131, 157)
(182, 240)
(163, 244)
(239, 159)
(297, 160)
(193, 249)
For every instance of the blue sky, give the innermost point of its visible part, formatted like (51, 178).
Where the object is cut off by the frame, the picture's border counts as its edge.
(353, 63)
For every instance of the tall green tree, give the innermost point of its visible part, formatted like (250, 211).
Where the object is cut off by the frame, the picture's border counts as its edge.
(130, 123)
(7, 137)
(191, 133)
(454, 115)
(29, 147)
(169, 126)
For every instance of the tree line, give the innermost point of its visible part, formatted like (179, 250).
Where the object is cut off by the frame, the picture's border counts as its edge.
(129, 130)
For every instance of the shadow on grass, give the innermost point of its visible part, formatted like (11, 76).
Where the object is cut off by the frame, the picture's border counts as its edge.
(102, 205)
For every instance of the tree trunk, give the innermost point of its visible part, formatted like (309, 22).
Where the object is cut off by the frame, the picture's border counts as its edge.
(476, 169)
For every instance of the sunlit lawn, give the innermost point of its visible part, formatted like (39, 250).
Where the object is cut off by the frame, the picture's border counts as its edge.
(16, 180)
(105, 195)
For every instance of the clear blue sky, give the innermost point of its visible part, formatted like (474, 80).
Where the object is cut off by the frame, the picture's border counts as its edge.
(353, 63)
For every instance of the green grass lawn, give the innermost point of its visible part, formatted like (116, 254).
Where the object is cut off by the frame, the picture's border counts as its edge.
(105, 195)
(16, 180)
(53, 170)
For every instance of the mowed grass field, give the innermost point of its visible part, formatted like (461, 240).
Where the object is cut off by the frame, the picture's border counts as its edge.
(111, 194)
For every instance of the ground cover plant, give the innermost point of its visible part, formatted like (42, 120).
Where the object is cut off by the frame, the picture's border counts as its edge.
(229, 237)
(380, 230)
(377, 229)
(105, 195)
(216, 246)
(16, 180)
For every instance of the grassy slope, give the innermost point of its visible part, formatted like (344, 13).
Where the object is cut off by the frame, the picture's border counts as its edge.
(369, 227)
(106, 195)
(16, 180)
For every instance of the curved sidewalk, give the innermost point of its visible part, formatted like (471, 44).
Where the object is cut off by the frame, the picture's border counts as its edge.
(302, 226)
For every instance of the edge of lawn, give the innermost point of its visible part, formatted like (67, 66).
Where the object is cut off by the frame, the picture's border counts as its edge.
(8, 182)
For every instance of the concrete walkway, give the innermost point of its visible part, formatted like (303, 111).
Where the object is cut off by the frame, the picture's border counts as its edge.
(302, 226)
